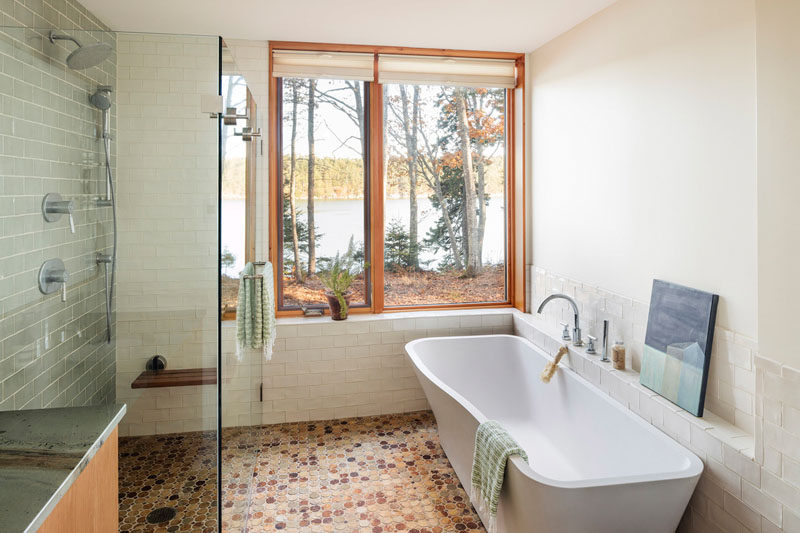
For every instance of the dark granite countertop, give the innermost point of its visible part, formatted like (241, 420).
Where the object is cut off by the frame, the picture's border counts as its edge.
(42, 452)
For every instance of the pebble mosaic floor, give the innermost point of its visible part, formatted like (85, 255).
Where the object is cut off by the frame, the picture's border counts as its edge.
(177, 471)
(379, 474)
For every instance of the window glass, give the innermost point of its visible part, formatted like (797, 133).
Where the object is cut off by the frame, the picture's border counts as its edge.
(324, 201)
(445, 202)
(234, 197)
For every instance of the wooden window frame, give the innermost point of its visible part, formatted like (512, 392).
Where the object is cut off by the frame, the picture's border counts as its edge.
(514, 183)
(250, 175)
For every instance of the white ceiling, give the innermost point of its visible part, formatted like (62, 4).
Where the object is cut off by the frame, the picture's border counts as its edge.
(501, 25)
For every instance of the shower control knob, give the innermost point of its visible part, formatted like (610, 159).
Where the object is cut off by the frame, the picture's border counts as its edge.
(53, 276)
(53, 206)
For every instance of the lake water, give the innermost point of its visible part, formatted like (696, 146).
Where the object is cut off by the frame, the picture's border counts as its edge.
(338, 219)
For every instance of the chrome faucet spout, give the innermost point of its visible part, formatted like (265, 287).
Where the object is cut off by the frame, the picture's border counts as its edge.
(576, 330)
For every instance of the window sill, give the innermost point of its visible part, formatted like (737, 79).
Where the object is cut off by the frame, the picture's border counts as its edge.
(387, 317)
(391, 314)
(395, 315)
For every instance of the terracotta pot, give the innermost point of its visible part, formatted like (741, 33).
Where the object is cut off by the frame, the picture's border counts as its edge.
(337, 313)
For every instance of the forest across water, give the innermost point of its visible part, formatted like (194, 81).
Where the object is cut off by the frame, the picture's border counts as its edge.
(343, 179)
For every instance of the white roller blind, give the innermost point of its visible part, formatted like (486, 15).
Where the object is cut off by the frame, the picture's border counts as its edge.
(331, 65)
(439, 70)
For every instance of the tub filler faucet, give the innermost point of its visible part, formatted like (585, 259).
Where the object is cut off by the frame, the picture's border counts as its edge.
(576, 330)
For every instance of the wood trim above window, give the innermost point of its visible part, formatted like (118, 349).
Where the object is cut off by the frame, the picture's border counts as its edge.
(515, 177)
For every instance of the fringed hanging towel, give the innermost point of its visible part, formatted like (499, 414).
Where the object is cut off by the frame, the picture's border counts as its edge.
(255, 312)
(493, 446)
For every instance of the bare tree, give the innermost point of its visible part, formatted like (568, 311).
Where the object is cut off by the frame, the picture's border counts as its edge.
(354, 111)
(410, 129)
(298, 271)
(476, 101)
(473, 266)
(312, 245)
(407, 117)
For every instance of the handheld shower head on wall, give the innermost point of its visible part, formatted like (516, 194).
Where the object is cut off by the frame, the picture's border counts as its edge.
(101, 99)
(84, 57)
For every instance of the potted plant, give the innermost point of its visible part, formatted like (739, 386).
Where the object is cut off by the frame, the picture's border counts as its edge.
(342, 270)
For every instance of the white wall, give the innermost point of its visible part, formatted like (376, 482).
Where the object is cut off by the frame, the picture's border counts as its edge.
(644, 151)
(778, 177)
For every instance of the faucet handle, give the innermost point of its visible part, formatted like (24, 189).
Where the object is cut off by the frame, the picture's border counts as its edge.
(53, 206)
(565, 334)
(590, 346)
(52, 277)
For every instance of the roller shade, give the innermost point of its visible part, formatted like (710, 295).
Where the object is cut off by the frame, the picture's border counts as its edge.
(439, 70)
(331, 65)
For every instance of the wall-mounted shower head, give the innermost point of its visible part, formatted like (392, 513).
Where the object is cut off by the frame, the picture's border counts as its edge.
(85, 56)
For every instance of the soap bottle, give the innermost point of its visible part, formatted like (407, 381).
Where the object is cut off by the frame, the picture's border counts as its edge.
(618, 355)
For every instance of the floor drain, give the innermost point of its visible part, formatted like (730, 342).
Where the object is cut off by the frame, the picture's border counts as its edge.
(162, 514)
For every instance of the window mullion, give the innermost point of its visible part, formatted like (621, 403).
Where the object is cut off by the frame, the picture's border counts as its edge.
(376, 195)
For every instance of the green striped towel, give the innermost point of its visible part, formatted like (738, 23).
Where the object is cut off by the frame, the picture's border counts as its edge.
(493, 446)
(255, 312)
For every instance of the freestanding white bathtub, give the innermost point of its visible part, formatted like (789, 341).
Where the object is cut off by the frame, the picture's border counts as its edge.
(594, 466)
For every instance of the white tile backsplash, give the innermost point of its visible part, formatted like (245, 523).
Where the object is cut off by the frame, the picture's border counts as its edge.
(321, 369)
(749, 436)
(731, 381)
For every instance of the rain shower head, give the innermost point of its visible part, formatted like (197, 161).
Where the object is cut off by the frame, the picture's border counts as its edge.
(85, 56)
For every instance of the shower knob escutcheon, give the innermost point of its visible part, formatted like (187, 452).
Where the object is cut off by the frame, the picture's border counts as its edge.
(53, 206)
(53, 276)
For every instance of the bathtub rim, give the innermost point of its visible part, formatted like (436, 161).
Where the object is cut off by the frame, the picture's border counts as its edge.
(692, 470)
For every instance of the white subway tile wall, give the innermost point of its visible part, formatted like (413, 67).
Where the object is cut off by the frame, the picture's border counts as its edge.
(323, 369)
(751, 481)
(167, 282)
(732, 378)
(52, 354)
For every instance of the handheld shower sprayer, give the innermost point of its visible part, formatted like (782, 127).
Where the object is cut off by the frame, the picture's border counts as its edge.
(101, 99)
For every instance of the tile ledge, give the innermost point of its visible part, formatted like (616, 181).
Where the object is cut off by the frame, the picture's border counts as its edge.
(400, 315)
(715, 426)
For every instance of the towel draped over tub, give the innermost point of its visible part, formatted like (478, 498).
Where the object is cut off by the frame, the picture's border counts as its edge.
(493, 446)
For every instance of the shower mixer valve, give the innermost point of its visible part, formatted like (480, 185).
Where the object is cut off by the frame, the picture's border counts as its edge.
(53, 206)
(53, 276)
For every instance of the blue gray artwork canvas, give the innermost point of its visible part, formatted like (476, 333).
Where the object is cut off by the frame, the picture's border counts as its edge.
(677, 351)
